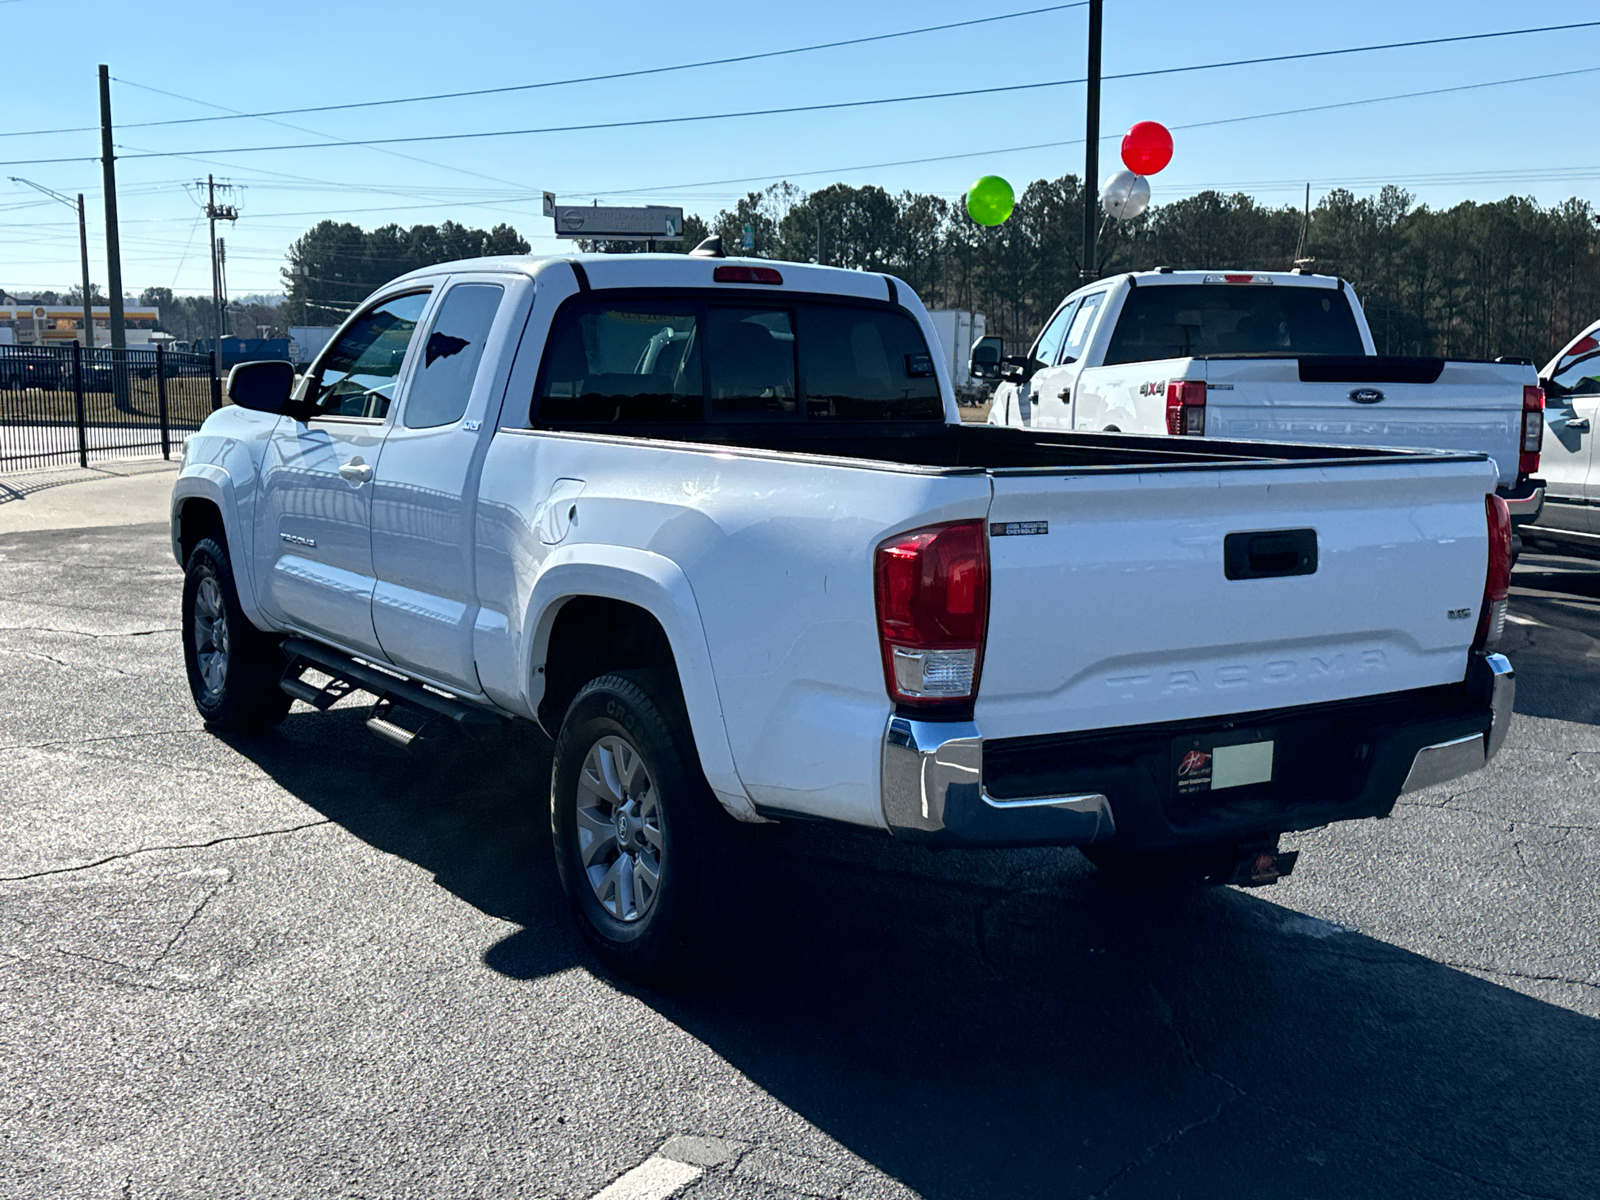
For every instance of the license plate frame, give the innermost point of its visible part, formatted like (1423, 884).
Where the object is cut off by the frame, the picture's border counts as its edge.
(1249, 769)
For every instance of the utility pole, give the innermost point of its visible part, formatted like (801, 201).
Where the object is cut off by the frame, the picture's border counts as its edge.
(1091, 147)
(217, 212)
(119, 328)
(83, 250)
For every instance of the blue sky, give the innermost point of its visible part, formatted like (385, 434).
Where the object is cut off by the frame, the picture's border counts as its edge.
(1535, 138)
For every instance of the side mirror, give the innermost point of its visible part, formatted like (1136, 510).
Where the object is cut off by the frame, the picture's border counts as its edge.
(262, 386)
(984, 361)
(1019, 368)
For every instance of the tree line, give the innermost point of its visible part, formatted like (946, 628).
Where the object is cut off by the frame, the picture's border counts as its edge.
(1474, 280)
(1477, 280)
(334, 265)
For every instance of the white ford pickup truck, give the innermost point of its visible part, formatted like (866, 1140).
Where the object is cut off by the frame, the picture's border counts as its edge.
(715, 525)
(1268, 355)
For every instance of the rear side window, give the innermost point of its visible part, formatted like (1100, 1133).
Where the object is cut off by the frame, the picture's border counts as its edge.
(680, 360)
(1078, 336)
(451, 355)
(1232, 320)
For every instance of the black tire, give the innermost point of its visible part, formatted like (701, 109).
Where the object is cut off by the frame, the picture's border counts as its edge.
(243, 696)
(668, 932)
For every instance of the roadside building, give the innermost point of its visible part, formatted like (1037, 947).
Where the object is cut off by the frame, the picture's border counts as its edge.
(30, 324)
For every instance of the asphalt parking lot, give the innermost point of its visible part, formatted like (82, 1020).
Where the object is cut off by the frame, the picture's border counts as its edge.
(304, 964)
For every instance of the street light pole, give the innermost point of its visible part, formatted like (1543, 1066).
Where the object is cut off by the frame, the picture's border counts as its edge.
(83, 251)
(83, 247)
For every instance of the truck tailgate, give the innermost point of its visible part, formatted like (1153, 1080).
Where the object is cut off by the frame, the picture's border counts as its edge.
(1469, 406)
(1110, 604)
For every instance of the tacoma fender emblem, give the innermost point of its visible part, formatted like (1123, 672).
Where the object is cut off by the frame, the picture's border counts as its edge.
(297, 540)
(1366, 395)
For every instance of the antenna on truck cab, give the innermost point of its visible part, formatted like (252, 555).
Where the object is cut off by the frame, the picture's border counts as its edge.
(1300, 259)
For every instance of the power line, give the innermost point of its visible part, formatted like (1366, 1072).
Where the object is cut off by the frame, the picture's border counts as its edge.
(552, 83)
(910, 162)
(828, 106)
(302, 129)
(1466, 37)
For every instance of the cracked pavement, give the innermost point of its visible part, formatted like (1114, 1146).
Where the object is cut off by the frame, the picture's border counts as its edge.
(306, 964)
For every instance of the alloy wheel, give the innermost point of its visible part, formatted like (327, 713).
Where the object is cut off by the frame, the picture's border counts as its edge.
(211, 635)
(619, 828)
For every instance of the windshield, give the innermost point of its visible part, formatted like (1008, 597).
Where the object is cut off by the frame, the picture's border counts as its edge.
(1232, 321)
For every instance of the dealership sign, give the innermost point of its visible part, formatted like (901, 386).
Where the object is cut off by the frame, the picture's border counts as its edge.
(601, 223)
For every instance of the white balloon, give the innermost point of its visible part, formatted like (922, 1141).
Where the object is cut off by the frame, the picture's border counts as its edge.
(1125, 195)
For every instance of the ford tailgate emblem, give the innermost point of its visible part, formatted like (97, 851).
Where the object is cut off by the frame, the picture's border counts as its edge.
(1366, 395)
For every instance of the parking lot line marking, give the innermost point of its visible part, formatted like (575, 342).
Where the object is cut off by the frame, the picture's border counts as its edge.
(655, 1178)
(1516, 620)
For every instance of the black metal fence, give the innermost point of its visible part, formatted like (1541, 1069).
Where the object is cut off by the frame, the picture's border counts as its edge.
(61, 405)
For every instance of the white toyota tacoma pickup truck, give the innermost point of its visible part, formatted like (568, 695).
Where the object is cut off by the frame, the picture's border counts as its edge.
(715, 525)
(1270, 355)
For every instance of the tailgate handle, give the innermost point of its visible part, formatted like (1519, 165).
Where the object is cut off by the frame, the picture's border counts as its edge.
(1270, 554)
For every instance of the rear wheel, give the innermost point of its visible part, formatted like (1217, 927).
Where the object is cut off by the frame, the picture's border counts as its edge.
(233, 667)
(638, 835)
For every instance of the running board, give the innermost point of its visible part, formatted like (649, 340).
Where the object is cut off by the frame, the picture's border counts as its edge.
(321, 699)
(390, 732)
(348, 674)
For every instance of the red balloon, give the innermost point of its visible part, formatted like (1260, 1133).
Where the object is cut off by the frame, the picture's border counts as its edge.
(1146, 148)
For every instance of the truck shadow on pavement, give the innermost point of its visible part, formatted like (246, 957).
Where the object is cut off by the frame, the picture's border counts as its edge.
(1552, 637)
(1003, 1024)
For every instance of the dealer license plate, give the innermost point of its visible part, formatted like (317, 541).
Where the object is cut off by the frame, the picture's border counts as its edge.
(1204, 766)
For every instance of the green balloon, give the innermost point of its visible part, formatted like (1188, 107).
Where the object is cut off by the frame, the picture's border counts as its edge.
(990, 200)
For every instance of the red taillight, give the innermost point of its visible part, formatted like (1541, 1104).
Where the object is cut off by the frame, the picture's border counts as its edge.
(1186, 407)
(1497, 584)
(1532, 429)
(932, 588)
(746, 275)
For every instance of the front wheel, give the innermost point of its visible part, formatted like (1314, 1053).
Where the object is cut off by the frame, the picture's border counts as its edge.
(635, 826)
(233, 667)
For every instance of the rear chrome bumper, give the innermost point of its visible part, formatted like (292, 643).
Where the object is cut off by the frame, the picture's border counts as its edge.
(1526, 500)
(933, 780)
(1444, 761)
(934, 769)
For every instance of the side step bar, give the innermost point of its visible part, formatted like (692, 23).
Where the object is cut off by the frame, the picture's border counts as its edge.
(390, 691)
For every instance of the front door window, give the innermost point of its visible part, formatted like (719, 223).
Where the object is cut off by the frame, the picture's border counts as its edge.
(357, 376)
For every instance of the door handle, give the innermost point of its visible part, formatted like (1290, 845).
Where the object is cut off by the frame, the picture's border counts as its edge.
(1578, 424)
(1065, 393)
(355, 471)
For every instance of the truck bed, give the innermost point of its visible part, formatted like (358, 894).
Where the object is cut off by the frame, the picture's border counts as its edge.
(992, 448)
